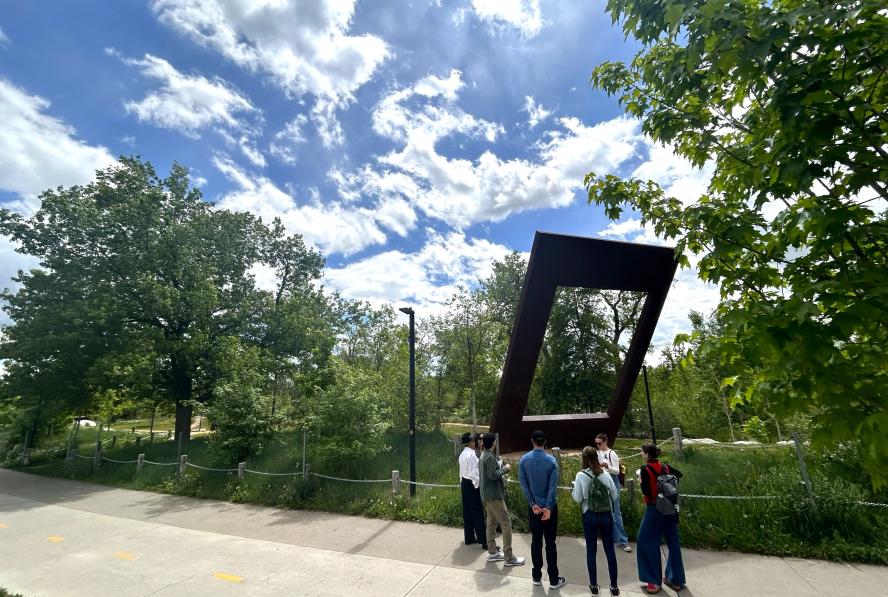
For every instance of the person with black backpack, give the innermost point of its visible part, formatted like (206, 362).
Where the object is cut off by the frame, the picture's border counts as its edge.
(659, 484)
(595, 491)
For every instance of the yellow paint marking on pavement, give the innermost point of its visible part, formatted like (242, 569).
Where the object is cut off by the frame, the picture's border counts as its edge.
(2, 525)
(228, 577)
(124, 555)
(55, 538)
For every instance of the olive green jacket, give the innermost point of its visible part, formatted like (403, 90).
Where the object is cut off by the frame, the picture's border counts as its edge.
(491, 473)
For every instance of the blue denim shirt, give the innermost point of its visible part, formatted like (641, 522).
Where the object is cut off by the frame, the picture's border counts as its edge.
(538, 475)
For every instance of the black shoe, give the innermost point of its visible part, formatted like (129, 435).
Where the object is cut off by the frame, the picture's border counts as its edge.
(594, 589)
(614, 590)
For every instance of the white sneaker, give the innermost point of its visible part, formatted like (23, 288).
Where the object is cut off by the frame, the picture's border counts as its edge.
(626, 547)
(514, 561)
(538, 583)
(561, 582)
(496, 557)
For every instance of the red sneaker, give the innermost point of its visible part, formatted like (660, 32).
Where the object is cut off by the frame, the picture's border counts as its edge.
(650, 588)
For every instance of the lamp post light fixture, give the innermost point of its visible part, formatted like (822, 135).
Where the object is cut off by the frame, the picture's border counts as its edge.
(411, 424)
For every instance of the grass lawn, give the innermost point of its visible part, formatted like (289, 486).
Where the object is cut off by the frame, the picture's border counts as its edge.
(835, 527)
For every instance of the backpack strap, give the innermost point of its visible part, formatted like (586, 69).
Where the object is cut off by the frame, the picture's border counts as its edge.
(591, 481)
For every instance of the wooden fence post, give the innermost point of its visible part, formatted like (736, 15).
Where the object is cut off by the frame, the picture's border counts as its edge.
(396, 482)
(556, 451)
(114, 441)
(140, 463)
(803, 469)
(630, 484)
(181, 468)
(97, 459)
(679, 446)
(241, 467)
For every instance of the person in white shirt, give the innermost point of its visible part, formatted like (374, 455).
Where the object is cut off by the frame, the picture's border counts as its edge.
(474, 528)
(610, 462)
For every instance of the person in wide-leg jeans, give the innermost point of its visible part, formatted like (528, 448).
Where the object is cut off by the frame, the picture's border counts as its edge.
(653, 526)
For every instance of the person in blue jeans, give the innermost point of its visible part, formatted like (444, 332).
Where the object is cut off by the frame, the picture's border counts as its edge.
(538, 476)
(610, 462)
(655, 525)
(595, 491)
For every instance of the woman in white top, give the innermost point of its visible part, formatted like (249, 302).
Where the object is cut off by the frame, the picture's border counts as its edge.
(595, 491)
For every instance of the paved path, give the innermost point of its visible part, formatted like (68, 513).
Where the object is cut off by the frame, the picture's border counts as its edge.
(67, 538)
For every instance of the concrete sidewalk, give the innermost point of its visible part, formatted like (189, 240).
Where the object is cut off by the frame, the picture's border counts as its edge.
(67, 538)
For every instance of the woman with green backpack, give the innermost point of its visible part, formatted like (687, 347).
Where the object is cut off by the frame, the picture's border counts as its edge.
(595, 492)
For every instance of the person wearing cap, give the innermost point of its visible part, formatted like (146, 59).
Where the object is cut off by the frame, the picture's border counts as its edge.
(470, 484)
(493, 493)
(538, 476)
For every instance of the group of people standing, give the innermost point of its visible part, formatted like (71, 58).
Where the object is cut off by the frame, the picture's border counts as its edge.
(597, 491)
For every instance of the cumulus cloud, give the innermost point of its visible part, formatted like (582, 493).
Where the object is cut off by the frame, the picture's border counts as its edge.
(333, 227)
(426, 278)
(304, 46)
(4, 40)
(524, 16)
(463, 191)
(535, 112)
(37, 151)
(186, 103)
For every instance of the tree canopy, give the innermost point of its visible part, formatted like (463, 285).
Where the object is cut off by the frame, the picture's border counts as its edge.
(142, 285)
(786, 102)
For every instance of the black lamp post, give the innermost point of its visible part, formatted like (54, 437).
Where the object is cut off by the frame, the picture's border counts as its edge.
(411, 424)
(647, 393)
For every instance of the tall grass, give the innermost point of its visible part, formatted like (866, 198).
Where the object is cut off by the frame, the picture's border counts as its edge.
(834, 527)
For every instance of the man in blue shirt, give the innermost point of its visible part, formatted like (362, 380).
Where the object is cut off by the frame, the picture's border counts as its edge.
(538, 475)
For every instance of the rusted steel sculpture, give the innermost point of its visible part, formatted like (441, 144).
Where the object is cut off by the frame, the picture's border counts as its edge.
(559, 260)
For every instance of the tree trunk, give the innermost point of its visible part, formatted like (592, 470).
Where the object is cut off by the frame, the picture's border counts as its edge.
(183, 421)
(151, 426)
(181, 388)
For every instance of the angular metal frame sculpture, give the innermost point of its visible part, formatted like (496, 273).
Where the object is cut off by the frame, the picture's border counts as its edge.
(573, 261)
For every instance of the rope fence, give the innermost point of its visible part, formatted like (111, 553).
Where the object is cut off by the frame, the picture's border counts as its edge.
(297, 474)
(396, 481)
(352, 480)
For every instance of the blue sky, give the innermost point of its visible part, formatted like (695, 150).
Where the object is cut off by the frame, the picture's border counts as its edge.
(411, 142)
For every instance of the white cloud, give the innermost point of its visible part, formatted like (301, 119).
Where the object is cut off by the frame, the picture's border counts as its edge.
(425, 279)
(39, 151)
(4, 40)
(396, 215)
(254, 155)
(332, 227)
(187, 103)
(535, 112)
(303, 45)
(677, 176)
(283, 147)
(461, 192)
(523, 15)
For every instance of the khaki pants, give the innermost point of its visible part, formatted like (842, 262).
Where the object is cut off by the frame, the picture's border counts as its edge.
(498, 513)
